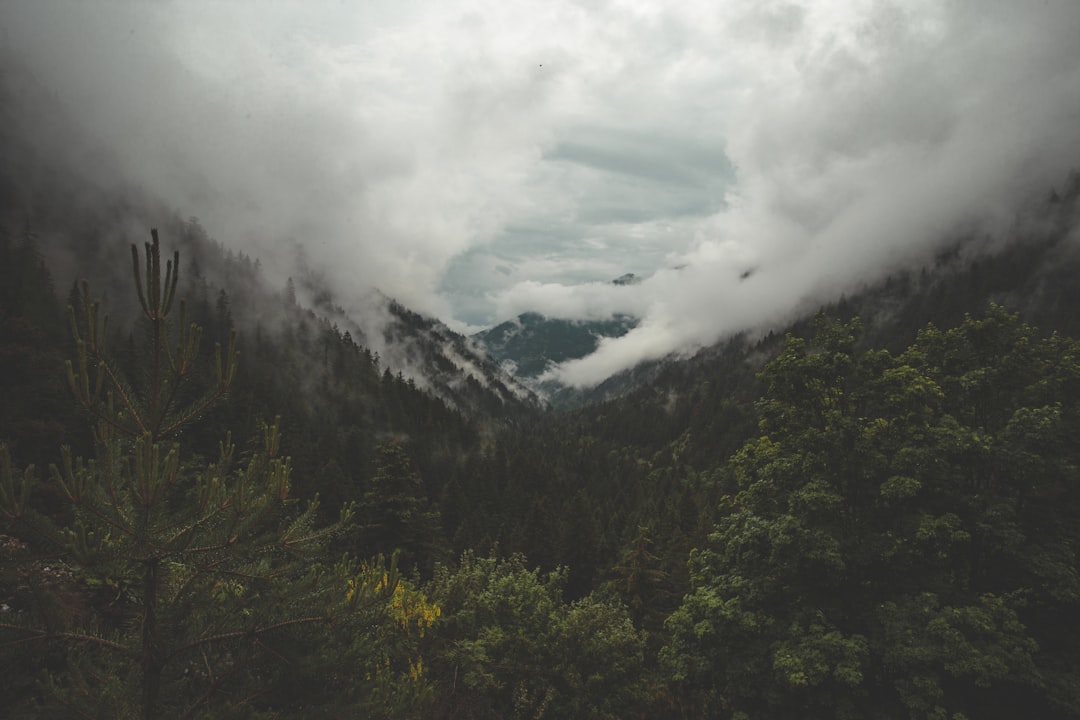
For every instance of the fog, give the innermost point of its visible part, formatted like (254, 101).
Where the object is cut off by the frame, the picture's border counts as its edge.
(477, 159)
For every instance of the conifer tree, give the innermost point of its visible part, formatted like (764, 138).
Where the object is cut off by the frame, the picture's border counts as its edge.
(177, 590)
(901, 544)
(35, 408)
(395, 512)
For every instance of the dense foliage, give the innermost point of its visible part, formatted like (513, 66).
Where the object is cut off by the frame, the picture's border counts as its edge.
(844, 521)
(176, 589)
(899, 544)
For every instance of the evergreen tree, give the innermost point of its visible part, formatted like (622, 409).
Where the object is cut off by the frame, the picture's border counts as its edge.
(642, 582)
(901, 543)
(395, 512)
(175, 589)
(35, 410)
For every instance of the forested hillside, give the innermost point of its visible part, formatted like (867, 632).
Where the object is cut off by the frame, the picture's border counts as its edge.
(237, 498)
(530, 345)
(317, 399)
(864, 518)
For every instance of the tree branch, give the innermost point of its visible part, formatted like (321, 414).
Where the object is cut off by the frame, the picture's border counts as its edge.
(42, 635)
(254, 632)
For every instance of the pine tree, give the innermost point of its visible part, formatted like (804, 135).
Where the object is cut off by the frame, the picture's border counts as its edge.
(168, 589)
(35, 409)
(395, 512)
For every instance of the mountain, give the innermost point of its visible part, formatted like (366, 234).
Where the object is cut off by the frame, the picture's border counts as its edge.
(451, 365)
(627, 279)
(1030, 269)
(826, 518)
(531, 343)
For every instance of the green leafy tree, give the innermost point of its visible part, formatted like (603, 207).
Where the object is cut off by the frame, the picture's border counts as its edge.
(900, 538)
(509, 646)
(172, 588)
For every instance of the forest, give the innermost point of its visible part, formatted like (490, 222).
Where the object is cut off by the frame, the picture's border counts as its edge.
(216, 501)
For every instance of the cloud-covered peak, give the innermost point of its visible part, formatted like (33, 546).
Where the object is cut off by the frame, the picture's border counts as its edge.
(479, 159)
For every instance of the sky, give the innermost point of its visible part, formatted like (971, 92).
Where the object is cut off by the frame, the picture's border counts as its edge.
(476, 159)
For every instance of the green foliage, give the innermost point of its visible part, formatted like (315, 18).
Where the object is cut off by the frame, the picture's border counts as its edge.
(899, 538)
(181, 589)
(395, 513)
(643, 583)
(508, 645)
(156, 407)
(36, 409)
(881, 534)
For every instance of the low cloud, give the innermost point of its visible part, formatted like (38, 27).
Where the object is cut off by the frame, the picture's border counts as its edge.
(867, 146)
(479, 159)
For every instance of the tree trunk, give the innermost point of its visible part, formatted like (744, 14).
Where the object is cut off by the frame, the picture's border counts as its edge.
(151, 663)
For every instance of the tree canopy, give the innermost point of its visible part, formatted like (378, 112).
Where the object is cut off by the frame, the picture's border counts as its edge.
(250, 514)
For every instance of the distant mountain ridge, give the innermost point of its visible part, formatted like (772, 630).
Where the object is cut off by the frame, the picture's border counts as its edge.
(451, 362)
(532, 343)
(1033, 271)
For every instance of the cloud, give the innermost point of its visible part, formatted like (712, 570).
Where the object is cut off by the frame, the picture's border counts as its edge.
(873, 139)
(475, 159)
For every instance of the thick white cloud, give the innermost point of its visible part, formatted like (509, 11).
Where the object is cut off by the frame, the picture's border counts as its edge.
(872, 139)
(476, 159)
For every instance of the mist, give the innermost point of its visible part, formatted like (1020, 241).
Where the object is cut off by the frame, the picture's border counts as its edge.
(476, 160)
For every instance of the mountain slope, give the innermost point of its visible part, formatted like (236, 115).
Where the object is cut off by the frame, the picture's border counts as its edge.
(531, 343)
